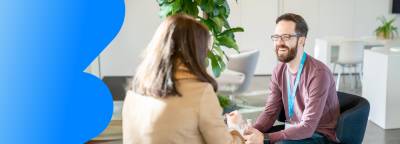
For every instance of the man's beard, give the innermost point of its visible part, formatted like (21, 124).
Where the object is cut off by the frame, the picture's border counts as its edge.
(288, 56)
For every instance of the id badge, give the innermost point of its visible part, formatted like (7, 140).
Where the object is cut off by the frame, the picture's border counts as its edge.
(288, 124)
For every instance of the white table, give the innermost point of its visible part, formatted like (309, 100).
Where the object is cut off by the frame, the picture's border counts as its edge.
(381, 86)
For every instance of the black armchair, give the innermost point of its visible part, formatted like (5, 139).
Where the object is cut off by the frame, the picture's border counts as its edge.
(350, 129)
(354, 111)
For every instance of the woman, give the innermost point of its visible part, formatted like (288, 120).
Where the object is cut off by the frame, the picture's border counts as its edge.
(173, 98)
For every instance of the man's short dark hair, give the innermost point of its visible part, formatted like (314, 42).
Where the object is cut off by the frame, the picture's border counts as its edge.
(301, 25)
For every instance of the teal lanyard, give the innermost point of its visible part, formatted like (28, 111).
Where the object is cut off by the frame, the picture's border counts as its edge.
(296, 83)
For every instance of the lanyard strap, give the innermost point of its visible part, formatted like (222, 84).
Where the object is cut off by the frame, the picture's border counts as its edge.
(292, 93)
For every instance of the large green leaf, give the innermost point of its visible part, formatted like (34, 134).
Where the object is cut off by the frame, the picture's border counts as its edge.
(209, 23)
(214, 64)
(165, 10)
(228, 42)
(197, 2)
(227, 9)
(176, 6)
(219, 22)
(229, 32)
(190, 8)
(218, 50)
(161, 2)
(233, 30)
(217, 63)
(226, 24)
(221, 63)
(219, 2)
(216, 11)
(221, 11)
(207, 6)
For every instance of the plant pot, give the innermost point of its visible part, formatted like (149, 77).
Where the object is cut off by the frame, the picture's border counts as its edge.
(382, 36)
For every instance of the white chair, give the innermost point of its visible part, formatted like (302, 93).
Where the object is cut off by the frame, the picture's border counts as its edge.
(240, 70)
(324, 49)
(321, 50)
(350, 55)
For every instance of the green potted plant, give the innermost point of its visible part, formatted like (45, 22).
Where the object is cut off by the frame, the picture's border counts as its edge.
(214, 15)
(386, 30)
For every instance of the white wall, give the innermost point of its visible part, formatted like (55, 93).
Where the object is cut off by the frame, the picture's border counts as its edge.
(366, 12)
(349, 18)
(257, 17)
(308, 9)
(122, 56)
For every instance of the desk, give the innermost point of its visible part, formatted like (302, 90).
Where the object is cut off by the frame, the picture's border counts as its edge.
(381, 86)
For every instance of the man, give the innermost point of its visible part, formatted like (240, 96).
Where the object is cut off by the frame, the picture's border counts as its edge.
(303, 86)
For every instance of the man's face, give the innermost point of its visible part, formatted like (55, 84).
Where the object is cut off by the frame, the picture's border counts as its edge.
(285, 45)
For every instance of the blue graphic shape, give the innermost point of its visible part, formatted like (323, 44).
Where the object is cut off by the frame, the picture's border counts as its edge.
(45, 46)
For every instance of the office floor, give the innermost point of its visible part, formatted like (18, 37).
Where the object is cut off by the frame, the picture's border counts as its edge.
(373, 135)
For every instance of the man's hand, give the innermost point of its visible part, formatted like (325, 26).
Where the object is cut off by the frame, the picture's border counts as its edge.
(253, 136)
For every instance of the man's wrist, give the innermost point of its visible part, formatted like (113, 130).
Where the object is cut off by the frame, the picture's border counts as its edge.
(266, 136)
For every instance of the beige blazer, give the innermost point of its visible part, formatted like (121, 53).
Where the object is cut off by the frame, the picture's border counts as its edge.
(194, 118)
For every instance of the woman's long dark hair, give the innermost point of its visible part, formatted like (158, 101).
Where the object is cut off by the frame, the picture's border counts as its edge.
(179, 38)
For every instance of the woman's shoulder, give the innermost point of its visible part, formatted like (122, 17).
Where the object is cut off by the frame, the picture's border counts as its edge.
(193, 85)
(195, 89)
(132, 96)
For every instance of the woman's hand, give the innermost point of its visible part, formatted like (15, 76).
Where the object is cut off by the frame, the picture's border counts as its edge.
(234, 119)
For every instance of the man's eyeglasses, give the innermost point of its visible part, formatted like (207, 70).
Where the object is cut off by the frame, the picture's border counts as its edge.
(284, 37)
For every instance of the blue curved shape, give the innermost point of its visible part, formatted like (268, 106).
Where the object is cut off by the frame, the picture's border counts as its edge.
(45, 46)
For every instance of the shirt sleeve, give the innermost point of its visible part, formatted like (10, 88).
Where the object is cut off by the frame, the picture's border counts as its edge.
(318, 92)
(272, 107)
(211, 123)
